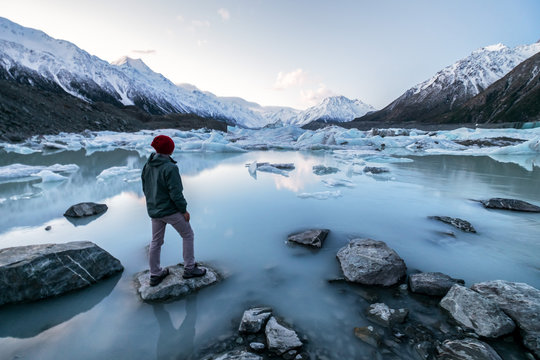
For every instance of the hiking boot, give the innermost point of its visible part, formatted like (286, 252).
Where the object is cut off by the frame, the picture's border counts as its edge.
(195, 272)
(157, 279)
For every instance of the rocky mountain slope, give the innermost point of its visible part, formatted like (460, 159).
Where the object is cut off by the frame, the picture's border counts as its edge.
(453, 86)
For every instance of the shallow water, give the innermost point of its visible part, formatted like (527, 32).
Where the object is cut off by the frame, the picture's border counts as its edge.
(241, 224)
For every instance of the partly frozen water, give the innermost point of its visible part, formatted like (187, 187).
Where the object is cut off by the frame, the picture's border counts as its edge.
(241, 223)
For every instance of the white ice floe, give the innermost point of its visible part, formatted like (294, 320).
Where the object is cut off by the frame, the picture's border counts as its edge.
(253, 169)
(49, 176)
(338, 183)
(321, 195)
(21, 172)
(273, 170)
(387, 159)
(119, 172)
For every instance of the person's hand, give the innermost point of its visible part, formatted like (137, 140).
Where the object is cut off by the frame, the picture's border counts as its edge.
(186, 216)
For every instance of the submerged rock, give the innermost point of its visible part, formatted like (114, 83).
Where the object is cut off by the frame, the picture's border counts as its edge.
(375, 170)
(369, 335)
(257, 346)
(371, 262)
(314, 237)
(279, 338)
(466, 349)
(432, 283)
(476, 312)
(34, 272)
(510, 204)
(521, 302)
(85, 209)
(461, 224)
(385, 316)
(174, 286)
(239, 355)
(324, 170)
(253, 320)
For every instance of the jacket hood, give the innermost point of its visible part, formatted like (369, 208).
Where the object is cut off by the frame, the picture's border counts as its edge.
(159, 159)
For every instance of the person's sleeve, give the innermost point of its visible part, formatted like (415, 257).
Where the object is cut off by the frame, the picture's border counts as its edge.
(174, 184)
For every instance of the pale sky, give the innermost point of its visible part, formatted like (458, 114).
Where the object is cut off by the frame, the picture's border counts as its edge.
(286, 52)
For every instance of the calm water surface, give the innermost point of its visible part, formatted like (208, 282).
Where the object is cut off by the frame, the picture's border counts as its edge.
(241, 225)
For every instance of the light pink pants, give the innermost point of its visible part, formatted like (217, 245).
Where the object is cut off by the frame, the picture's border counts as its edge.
(183, 227)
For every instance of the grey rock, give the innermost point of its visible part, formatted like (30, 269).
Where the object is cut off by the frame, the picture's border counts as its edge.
(279, 338)
(256, 346)
(174, 286)
(48, 228)
(290, 355)
(521, 302)
(466, 349)
(476, 312)
(510, 204)
(369, 335)
(458, 223)
(375, 170)
(371, 262)
(324, 170)
(253, 320)
(314, 237)
(34, 272)
(385, 316)
(239, 355)
(85, 209)
(432, 283)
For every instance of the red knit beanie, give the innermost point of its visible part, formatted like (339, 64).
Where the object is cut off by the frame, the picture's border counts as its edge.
(163, 144)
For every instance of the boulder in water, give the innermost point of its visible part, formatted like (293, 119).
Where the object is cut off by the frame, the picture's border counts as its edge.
(34, 272)
(466, 349)
(253, 320)
(432, 283)
(385, 316)
(314, 237)
(85, 209)
(279, 338)
(458, 223)
(510, 204)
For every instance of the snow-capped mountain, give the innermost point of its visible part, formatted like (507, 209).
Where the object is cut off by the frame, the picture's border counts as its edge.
(455, 84)
(335, 108)
(31, 56)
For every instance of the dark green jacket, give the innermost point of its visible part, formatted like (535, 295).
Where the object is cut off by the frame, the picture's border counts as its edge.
(162, 186)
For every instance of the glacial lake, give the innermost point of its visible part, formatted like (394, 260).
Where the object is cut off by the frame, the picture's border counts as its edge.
(241, 224)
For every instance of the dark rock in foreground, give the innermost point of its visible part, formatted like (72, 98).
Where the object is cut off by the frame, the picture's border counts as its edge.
(371, 262)
(385, 316)
(174, 286)
(476, 312)
(510, 204)
(239, 355)
(369, 335)
(85, 209)
(432, 283)
(324, 170)
(34, 272)
(253, 320)
(466, 349)
(461, 224)
(279, 338)
(519, 301)
(313, 237)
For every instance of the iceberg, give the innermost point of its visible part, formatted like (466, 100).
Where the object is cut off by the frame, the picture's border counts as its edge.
(49, 176)
(127, 174)
(321, 195)
(273, 170)
(338, 182)
(20, 172)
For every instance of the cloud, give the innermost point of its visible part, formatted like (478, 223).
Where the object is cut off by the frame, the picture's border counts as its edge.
(290, 79)
(180, 18)
(313, 97)
(201, 43)
(144, 52)
(200, 23)
(224, 13)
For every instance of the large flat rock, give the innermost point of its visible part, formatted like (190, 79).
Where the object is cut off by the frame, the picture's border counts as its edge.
(371, 262)
(254, 319)
(467, 349)
(34, 272)
(174, 286)
(510, 204)
(85, 209)
(280, 339)
(521, 302)
(313, 237)
(476, 312)
(432, 283)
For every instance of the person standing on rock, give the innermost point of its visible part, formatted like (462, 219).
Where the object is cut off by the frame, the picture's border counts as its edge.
(166, 204)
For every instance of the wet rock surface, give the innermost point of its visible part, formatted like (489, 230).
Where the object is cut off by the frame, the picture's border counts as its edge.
(174, 286)
(476, 312)
(314, 237)
(386, 316)
(238, 355)
(279, 338)
(510, 204)
(458, 223)
(85, 209)
(34, 272)
(521, 302)
(375, 170)
(324, 170)
(466, 349)
(371, 262)
(369, 335)
(432, 283)
(253, 320)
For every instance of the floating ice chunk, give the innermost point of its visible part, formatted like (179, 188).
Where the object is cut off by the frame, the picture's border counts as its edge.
(272, 169)
(25, 196)
(324, 170)
(19, 149)
(321, 195)
(2, 200)
(355, 170)
(528, 162)
(127, 174)
(338, 182)
(253, 170)
(387, 159)
(529, 147)
(21, 172)
(49, 176)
